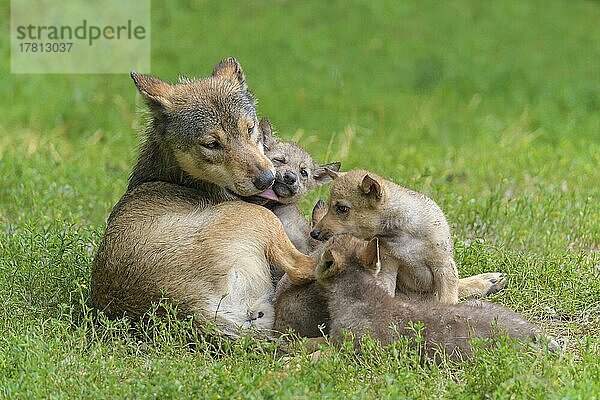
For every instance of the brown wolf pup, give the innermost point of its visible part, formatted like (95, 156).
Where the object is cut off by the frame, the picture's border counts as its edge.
(416, 248)
(180, 230)
(357, 304)
(302, 308)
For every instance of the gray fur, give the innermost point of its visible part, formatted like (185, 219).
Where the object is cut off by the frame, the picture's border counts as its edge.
(359, 305)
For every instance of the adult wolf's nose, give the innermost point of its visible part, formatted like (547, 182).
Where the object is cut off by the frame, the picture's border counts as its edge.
(289, 177)
(264, 180)
(315, 233)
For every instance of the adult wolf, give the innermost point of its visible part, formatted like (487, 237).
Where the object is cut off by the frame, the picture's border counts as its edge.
(180, 231)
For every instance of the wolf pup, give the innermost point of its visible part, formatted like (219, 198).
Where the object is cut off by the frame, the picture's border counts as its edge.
(180, 231)
(302, 308)
(297, 307)
(416, 248)
(348, 271)
(296, 173)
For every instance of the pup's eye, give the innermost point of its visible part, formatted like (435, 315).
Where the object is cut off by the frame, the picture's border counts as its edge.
(251, 129)
(214, 145)
(341, 209)
(303, 172)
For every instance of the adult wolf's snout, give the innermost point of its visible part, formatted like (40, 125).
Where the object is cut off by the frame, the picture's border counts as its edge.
(264, 180)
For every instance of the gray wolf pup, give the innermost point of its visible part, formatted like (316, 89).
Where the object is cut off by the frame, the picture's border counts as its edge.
(348, 270)
(296, 172)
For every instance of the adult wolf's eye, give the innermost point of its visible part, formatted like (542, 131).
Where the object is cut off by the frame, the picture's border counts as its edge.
(341, 209)
(279, 159)
(251, 129)
(303, 172)
(212, 145)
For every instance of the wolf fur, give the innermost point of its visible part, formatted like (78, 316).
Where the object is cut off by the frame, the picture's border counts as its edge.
(180, 231)
(303, 308)
(296, 173)
(357, 304)
(416, 248)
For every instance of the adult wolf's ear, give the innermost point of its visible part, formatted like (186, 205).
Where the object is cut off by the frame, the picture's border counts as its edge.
(231, 70)
(370, 256)
(267, 132)
(157, 94)
(326, 172)
(371, 187)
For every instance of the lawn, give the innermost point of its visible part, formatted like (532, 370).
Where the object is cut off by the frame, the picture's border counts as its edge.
(490, 108)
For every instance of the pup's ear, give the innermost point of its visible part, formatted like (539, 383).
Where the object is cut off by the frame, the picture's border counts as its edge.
(326, 267)
(370, 256)
(327, 255)
(326, 172)
(267, 132)
(318, 212)
(371, 187)
(157, 94)
(231, 70)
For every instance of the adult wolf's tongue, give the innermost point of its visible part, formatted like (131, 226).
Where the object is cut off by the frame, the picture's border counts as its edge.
(269, 194)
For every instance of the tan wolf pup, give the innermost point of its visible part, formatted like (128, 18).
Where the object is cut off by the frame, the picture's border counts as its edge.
(348, 271)
(180, 230)
(416, 248)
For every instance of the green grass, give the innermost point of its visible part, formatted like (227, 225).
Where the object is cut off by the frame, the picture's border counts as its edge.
(491, 108)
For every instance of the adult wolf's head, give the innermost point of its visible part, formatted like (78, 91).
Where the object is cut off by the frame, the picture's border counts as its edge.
(209, 128)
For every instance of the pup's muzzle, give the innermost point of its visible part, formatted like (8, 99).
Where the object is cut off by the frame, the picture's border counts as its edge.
(319, 235)
(289, 177)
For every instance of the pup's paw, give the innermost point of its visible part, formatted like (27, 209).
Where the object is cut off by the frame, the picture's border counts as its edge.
(482, 285)
(493, 282)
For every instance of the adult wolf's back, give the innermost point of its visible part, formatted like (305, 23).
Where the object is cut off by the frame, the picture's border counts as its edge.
(179, 231)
